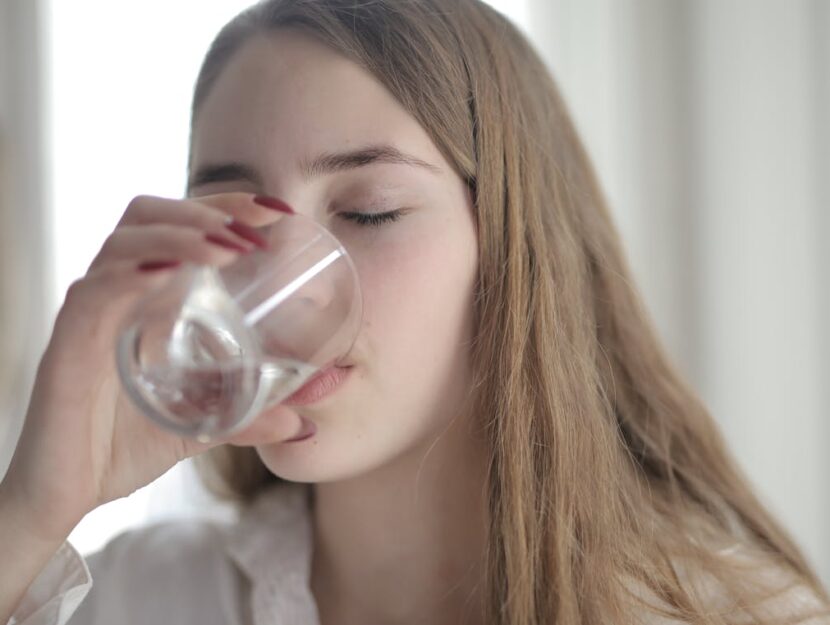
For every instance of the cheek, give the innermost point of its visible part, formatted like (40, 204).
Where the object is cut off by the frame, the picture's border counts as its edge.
(418, 302)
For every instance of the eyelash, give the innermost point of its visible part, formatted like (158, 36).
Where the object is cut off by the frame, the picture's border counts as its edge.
(373, 220)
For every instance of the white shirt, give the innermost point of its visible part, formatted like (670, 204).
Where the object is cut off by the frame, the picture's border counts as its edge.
(254, 571)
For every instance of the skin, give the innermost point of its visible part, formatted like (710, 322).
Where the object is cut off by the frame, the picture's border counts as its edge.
(397, 465)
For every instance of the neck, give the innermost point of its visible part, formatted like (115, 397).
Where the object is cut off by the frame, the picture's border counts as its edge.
(405, 543)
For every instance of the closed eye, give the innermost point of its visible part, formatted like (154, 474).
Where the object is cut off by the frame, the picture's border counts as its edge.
(373, 219)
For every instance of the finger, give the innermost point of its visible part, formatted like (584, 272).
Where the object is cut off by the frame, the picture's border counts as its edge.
(167, 241)
(256, 210)
(201, 211)
(96, 304)
(275, 425)
(148, 209)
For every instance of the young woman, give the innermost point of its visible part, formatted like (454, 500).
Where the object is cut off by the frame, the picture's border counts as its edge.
(508, 443)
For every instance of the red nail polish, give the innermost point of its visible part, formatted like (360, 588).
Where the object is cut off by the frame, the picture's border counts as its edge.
(246, 232)
(156, 265)
(223, 242)
(273, 203)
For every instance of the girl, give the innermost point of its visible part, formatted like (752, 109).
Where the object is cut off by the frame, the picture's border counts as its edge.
(508, 442)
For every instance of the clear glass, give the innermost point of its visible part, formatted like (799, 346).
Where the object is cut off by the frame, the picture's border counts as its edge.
(210, 350)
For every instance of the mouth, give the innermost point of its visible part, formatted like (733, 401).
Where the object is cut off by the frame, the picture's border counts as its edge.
(275, 348)
(321, 385)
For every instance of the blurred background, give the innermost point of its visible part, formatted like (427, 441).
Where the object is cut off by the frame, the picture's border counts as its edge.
(708, 122)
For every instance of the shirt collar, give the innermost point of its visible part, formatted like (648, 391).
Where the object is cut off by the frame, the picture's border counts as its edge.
(272, 544)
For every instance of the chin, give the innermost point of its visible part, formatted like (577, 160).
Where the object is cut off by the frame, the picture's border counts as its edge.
(309, 461)
(301, 461)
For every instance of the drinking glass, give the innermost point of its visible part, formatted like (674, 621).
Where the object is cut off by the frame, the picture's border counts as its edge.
(207, 352)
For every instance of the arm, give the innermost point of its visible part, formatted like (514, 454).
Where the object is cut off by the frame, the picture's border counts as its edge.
(23, 554)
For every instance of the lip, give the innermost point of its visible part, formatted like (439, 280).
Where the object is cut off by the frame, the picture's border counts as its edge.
(320, 385)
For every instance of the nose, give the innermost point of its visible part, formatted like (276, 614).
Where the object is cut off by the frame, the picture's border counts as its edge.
(302, 297)
(300, 265)
(317, 305)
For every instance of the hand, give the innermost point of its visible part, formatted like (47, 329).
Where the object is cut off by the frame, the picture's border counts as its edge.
(84, 443)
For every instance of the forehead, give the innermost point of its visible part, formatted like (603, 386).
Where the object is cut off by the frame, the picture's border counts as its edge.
(288, 95)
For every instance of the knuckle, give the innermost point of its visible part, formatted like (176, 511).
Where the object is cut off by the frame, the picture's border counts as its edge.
(113, 246)
(139, 202)
(136, 207)
(76, 290)
(109, 243)
(77, 300)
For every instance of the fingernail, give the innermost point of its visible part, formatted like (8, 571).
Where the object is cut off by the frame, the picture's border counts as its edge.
(223, 242)
(157, 265)
(246, 232)
(273, 203)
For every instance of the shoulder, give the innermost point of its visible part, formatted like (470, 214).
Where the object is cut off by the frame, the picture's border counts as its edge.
(170, 547)
(159, 572)
(162, 546)
(197, 570)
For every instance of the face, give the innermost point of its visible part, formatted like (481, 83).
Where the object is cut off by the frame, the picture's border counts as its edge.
(282, 101)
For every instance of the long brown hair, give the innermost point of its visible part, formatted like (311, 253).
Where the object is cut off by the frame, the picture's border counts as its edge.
(611, 492)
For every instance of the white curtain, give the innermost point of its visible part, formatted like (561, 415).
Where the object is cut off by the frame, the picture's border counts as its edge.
(25, 260)
(709, 123)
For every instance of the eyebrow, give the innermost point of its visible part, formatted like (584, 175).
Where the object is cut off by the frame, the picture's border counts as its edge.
(326, 163)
